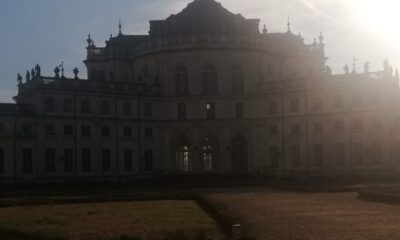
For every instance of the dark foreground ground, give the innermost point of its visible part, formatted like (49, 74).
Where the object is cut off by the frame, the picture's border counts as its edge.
(265, 212)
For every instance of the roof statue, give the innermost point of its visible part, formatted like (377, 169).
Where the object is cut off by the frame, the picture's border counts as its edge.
(33, 73)
(346, 69)
(19, 79)
(328, 70)
(354, 64)
(38, 70)
(119, 28)
(366, 67)
(76, 72)
(265, 30)
(62, 69)
(28, 76)
(57, 72)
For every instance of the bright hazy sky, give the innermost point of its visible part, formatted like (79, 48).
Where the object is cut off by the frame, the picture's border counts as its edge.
(50, 31)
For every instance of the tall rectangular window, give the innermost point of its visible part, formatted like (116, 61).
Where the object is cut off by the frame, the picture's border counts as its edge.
(27, 129)
(210, 110)
(182, 111)
(49, 104)
(68, 105)
(376, 124)
(148, 109)
(273, 130)
(274, 156)
(85, 106)
(295, 105)
(340, 154)
(295, 129)
(358, 154)
(296, 155)
(86, 131)
(50, 160)
(106, 160)
(128, 160)
(339, 125)
(2, 161)
(317, 103)
(357, 100)
(318, 127)
(376, 152)
(145, 71)
(127, 108)
(27, 165)
(105, 131)
(375, 99)
(148, 156)
(148, 132)
(318, 155)
(105, 107)
(86, 160)
(68, 160)
(182, 81)
(273, 107)
(68, 131)
(50, 130)
(127, 132)
(339, 102)
(239, 110)
(358, 125)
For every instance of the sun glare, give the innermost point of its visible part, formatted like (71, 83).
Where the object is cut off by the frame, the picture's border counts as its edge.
(380, 16)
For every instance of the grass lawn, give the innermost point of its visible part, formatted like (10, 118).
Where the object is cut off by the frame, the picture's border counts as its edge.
(107, 220)
(300, 216)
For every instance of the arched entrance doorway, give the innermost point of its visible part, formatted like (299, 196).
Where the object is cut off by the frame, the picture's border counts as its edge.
(209, 154)
(239, 154)
(183, 160)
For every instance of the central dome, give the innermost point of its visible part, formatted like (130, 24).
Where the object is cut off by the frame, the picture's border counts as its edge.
(202, 9)
(204, 17)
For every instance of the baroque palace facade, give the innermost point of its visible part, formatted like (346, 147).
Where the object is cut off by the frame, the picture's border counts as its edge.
(205, 92)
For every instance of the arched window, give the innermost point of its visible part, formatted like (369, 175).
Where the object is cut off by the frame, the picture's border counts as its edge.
(210, 80)
(209, 154)
(182, 81)
(237, 80)
(183, 158)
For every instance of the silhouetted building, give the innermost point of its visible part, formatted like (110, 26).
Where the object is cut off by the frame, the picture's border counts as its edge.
(205, 92)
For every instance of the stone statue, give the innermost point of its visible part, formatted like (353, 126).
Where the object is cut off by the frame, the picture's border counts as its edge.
(386, 65)
(366, 67)
(346, 69)
(19, 79)
(57, 72)
(38, 70)
(328, 70)
(76, 72)
(33, 73)
(28, 76)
